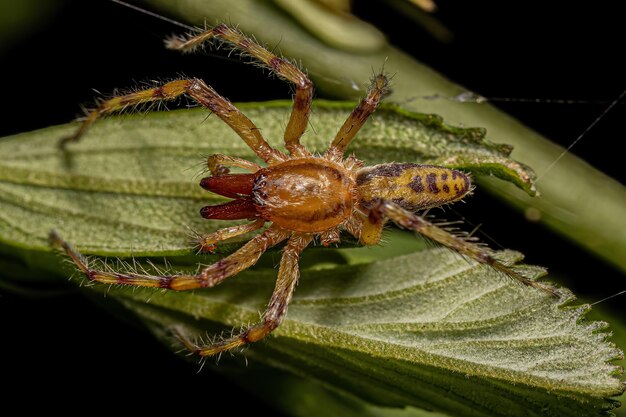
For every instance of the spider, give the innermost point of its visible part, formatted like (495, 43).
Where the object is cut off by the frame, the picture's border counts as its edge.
(304, 197)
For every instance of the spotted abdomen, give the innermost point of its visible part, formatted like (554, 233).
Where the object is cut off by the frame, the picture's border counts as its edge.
(411, 186)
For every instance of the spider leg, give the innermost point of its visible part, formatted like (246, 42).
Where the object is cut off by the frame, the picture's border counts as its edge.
(330, 236)
(208, 276)
(281, 67)
(288, 274)
(354, 226)
(207, 243)
(218, 164)
(377, 90)
(404, 218)
(200, 92)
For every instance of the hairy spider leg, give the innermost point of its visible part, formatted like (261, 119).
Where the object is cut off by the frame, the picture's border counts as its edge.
(218, 164)
(330, 236)
(384, 210)
(354, 226)
(200, 92)
(377, 90)
(288, 274)
(208, 243)
(209, 276)
(284, 69)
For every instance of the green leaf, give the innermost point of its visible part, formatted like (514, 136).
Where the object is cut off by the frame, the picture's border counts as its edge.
(618, 330)
(412, 339)
(401, 325)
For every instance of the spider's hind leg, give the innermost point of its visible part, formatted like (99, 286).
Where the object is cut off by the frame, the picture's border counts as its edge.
(387, 210)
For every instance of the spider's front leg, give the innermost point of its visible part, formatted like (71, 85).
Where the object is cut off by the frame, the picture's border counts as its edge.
(288, 274)
(166, 92)
(199, 91)
(209, 276)
(284, 69)
(378, 89)
(383, 210)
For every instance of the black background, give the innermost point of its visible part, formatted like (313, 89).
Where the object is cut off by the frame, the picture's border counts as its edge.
(501, 49)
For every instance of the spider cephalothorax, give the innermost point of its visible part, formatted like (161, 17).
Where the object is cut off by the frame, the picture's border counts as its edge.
(301, 196)
(309, 195)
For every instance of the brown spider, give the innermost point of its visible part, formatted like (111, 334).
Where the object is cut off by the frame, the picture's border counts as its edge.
(303, 196)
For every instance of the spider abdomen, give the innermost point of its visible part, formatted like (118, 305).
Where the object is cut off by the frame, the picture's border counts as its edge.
(304, 194)
(411, 186)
